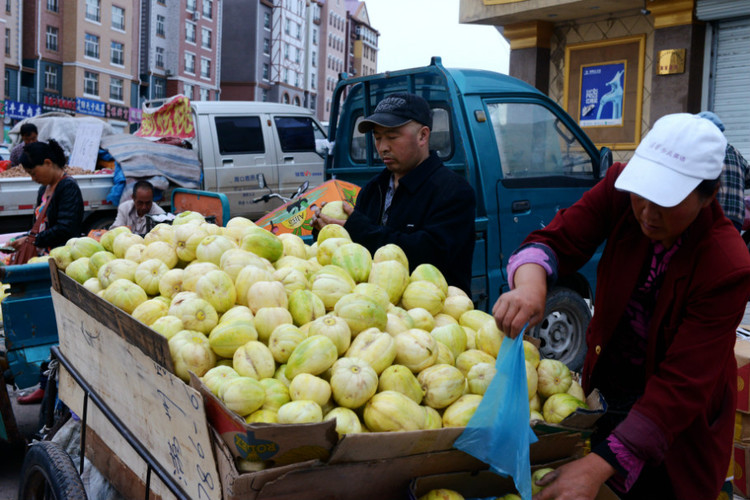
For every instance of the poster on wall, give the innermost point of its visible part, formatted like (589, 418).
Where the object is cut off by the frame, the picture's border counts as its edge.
(602, 94)
(603, 89)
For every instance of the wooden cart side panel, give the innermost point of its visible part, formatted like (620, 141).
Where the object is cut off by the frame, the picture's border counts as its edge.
(163, 413)
(116, 459)
(124, 325)
(7, 415)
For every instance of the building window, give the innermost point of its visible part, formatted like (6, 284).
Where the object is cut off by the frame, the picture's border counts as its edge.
(205, 38)
(286, 51)
(160, 25)
(188, 91)
(313, 77)
(266, 46)
(91, 83)
(7, 6)
(51, 39)
(91, 46)
(190, 63)
(265, 71)
(118, 18)
(314, 61)
(266, 20)
(208, 7)
(286, 26)
(315, 36)
(159, 88)
(7, 41)
(93, 11)
(159, 57)
(115, 89)
(205, 67)
(6, 89)
(264, 95)
(117, 54)
(189, 32)
(161, 2)
(192, 5)
(50, 78)
(204, 94)
(52, 5)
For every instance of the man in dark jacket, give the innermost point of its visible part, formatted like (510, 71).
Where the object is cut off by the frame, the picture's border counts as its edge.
(416, 202)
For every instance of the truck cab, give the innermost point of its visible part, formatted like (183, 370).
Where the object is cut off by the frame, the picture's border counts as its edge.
(524, 155)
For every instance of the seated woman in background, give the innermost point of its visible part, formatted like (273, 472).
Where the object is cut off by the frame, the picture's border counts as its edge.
(59, 205)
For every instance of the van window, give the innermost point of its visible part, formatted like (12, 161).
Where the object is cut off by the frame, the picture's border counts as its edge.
(239, 135)
(533, 142)
(296, 133)
(440, 137)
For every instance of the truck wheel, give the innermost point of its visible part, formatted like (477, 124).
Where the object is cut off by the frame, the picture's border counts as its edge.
(562, 332)
(48, 473)
(102, 222)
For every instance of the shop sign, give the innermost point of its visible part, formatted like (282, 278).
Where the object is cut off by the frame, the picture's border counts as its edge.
(90, 107)
(21, 110)
(118, 112)
(58, 104)
(135, 115)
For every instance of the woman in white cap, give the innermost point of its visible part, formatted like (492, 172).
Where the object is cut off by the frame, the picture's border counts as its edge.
(672, 286)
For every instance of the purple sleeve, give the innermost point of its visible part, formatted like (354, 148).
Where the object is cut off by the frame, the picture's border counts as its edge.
(533, 253)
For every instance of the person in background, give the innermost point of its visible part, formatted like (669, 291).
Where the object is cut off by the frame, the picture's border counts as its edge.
(29, 134)
(672, 286)
(415, 202)
(132, 213)
(59, 204)
(735, 178)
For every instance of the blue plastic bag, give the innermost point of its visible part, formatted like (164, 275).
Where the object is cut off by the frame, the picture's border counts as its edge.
(499, 433)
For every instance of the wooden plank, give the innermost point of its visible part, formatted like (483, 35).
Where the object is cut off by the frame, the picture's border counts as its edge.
(117, 320)
(157, 408)
(130, 479)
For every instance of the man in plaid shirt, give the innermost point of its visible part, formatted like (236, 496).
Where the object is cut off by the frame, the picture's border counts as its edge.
(735, 178)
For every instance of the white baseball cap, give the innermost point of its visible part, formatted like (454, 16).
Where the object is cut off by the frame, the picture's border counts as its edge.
(678, 153)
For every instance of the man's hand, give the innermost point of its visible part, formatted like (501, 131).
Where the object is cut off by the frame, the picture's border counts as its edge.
(525, 303)
(577, 480)
(319, 220)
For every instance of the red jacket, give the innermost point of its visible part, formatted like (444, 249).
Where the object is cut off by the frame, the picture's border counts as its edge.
(685, 417)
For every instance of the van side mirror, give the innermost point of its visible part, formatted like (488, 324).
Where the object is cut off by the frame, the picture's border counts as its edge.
(261, 181)
(605, 160)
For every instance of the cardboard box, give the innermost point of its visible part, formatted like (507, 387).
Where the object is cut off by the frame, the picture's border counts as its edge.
(269, 443)
(741, 463)
(483, 484)
(742, 427)
(354, 472)
(742, 355)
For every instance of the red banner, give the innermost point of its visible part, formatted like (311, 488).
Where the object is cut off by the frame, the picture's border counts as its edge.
(171, 119)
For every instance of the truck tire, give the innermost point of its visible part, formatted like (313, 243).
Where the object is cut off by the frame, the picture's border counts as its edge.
(562, 332)
(48, 472)
(99, 222)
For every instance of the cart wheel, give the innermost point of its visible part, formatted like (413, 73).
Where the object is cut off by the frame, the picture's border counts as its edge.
(48, 473)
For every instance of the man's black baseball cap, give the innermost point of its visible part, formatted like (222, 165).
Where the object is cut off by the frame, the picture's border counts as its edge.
(396, 110)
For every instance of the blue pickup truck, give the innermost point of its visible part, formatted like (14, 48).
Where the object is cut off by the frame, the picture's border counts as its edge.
(525, 157)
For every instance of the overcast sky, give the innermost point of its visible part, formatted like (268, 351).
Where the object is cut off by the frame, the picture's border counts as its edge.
(412, 31)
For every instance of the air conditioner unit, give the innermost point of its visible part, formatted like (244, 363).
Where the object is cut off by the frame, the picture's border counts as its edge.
(196, 15)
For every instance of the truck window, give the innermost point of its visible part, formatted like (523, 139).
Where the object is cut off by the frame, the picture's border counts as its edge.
(533, 142)
(296, 133)
(440, 137)
(239, 135)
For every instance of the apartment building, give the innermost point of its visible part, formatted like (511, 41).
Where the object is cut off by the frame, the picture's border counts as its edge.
(363, 40)
(334, 37)
(292, 51)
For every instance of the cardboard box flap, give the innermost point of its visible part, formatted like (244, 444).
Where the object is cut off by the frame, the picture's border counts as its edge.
(385, 445)
(275, 444)
(481, 484)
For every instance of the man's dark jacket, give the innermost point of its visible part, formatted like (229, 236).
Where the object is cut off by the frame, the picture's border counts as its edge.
(431, 218)
(64, 215)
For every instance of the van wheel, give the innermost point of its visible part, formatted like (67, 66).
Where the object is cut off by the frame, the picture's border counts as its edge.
(48, 473)
(562, 332)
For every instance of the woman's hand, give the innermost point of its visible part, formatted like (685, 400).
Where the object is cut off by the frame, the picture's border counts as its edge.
(577, 480)
(525, 303)
(17, 242)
